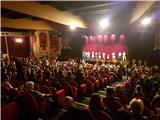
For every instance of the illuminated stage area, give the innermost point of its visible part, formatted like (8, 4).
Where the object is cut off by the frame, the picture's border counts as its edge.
(105, 47)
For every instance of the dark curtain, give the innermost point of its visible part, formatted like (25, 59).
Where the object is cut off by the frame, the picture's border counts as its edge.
(3, 45)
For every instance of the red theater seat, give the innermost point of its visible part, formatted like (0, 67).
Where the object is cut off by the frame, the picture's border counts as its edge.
(75, 92)
(97, 84)
(60, 94)
(28, 106)
(14, 93)
(43, 105)
(92, 87)
(10, 111)
(83, 89)
(4, 89)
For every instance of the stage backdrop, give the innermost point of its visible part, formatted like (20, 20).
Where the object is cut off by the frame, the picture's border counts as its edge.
(106, 43)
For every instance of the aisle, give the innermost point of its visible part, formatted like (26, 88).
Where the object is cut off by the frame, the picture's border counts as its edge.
(103, 91)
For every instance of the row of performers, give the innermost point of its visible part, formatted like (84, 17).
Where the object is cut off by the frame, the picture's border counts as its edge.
(93, 56)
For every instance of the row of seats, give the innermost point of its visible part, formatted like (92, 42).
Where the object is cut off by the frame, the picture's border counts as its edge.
(26, 103)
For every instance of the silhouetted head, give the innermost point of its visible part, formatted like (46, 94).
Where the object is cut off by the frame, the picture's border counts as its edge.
(96, 102)
(136, 106)
(30, 85)
(68, 102)
(109, 91)
(123, 114)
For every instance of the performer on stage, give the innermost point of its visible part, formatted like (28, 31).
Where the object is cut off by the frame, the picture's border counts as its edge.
(108, 57)
(96, 55)
(88, 56)
(103, 55)
(84, 55)
(93, 56)
(124, 57)
(113, 56)
(99, 55)
(119, 56)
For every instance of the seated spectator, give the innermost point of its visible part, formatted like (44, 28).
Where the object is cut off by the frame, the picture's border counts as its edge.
(127, 89)
(110, 101)
(138, 93)
(6, 83)
(38, 95)
(73, 113)
(123, 114)
(110, 93)
(97, 109)
(118, 93)
(137, 107)
(155, 88)
(156, 102)
(32, 75)
(14, 74)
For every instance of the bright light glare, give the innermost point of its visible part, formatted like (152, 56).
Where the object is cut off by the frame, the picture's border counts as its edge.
(18, 40)
(124, 53)
(119, 54)
(72, 27)
(146, 21)
(104, 23)
(107, 56)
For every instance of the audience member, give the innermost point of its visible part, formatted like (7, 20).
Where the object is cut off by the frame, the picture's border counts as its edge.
(73, 113)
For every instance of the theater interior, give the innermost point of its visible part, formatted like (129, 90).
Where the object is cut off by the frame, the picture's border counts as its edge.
(80, 60)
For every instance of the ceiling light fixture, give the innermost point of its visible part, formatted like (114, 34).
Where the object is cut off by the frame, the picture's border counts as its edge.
(146, 21)
(18, 40)
(72, 27)
(104, 23)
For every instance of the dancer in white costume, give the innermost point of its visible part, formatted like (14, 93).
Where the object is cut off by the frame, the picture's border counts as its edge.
(103, 55)
(99, 55)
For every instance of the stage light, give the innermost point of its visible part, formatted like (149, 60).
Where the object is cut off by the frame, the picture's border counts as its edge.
(146, 21)
(18, 40)
(72, 27)
(104, 23)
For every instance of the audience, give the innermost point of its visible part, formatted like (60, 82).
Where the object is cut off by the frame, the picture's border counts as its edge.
(140, 90)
